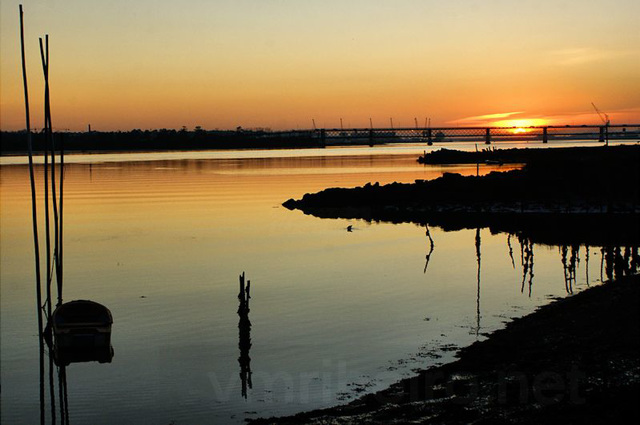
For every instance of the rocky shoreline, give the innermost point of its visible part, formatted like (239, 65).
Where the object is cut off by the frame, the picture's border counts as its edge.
(589, 195)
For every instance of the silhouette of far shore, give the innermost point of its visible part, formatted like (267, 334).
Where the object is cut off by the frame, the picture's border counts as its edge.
(15, 142)
(587, 195)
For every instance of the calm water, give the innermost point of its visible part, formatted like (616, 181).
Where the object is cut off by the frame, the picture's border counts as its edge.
(161, 239)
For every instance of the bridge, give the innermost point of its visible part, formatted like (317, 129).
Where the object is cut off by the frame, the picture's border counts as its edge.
(430, 135)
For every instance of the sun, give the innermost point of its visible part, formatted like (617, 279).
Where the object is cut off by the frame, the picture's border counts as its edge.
(521, 125)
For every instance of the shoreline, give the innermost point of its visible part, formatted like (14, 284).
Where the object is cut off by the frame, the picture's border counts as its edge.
(585, 195)
(574, 360)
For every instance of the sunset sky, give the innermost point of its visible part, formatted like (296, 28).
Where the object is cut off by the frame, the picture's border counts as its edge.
(121, 65)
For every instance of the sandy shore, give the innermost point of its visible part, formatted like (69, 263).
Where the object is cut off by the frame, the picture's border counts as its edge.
(573, 361)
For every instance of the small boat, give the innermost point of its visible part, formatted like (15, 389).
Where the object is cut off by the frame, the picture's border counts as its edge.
(81, 332)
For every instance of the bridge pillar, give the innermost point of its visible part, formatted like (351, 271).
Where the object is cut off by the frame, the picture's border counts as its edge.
(545, 136)
(371, 138)
(487, 136)
(323, 137)
(429, 140)
(601, 138)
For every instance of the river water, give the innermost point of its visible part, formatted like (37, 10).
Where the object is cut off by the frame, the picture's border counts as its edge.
(161, 239)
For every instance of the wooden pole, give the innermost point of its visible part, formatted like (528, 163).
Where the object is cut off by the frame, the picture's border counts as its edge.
(34, 212)
(57, 258)
(60, 275)
(44, 55)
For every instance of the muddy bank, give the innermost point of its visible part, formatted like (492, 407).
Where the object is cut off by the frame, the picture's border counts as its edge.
(573, 361)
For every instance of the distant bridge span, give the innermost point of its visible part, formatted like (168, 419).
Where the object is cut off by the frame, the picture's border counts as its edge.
(429, 135)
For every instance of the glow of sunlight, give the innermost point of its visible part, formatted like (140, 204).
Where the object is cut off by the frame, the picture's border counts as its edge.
(521, 126)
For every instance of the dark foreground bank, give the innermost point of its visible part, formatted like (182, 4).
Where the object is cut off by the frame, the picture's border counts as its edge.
(573, 361)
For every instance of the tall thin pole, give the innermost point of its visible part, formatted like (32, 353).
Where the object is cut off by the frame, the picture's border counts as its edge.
(34, 213)
(59, 269)
(478, 244)
(44, 54)
(51, 145)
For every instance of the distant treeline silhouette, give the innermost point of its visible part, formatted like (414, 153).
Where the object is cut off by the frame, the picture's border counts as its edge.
(15, 142)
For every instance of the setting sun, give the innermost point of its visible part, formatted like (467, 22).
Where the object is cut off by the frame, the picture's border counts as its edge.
(520, 126)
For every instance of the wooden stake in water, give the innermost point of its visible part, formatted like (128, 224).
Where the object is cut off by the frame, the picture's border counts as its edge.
(48, 132)
(34, 213)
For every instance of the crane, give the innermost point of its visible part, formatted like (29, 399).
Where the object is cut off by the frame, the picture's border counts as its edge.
(603, 117)
(605, 120)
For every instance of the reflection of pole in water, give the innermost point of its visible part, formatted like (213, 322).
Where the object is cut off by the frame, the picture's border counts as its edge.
(244, 335)
(619, 266)
(635, 258)
(569, 266)
(568, 286)
(478, 243)
(431, 247)
(621, 262)
(530, 263)
(575, 261)
(513, 263)
(586, 262)
(62, 394)
(627, 259)
(526, 260)
(617, 261)
(608, 262)
(601, 264)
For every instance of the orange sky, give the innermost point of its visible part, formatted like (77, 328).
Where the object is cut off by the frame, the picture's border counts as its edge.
(148, 64)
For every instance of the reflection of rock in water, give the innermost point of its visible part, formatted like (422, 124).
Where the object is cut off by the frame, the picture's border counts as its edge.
(244, 335)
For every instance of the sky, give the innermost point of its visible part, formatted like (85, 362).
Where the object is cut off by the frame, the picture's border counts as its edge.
(283, 64)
